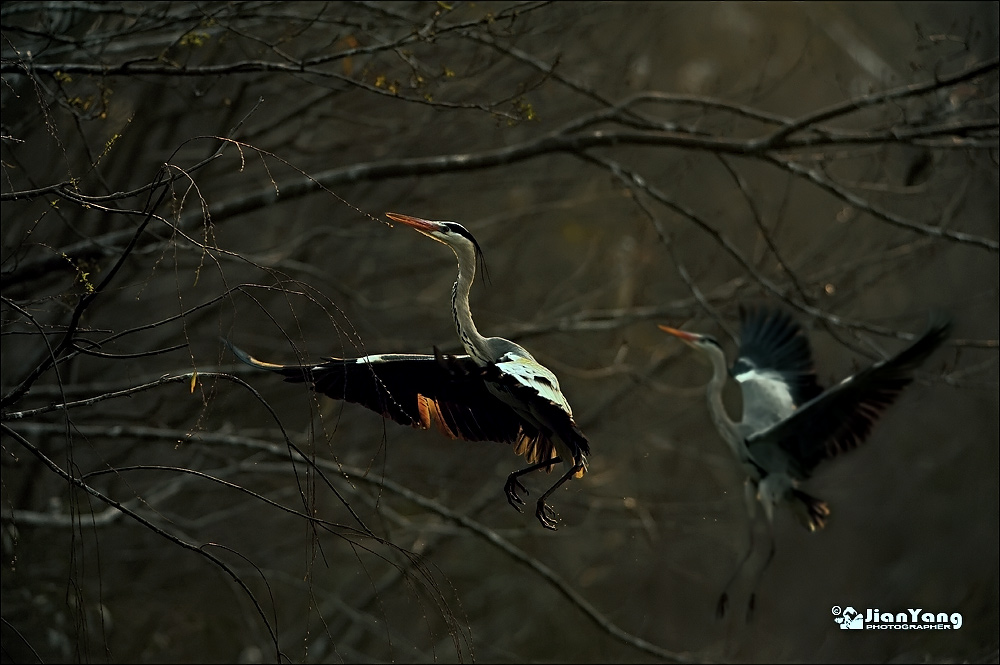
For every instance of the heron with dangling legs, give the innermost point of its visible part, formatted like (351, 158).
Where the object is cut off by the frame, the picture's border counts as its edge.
(790, 424)
(496, 391)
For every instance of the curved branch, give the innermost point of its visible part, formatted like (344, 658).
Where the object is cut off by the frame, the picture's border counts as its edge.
(358, 475)
(861, 204)
(198, 549)
(851, 105)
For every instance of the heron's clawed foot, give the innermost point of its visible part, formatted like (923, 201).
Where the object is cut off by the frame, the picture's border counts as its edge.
(819, 512)
(811, 512)
(546, 515)
(722, 605)
(510, 489)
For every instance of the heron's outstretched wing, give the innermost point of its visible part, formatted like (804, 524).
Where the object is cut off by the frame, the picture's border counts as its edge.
(774, 367)
(841, 418)
(410, 389)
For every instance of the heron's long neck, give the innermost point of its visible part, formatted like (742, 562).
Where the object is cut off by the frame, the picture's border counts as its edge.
(727, 428)
(474, 343)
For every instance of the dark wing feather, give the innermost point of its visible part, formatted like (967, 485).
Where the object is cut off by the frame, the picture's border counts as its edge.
(771, 342)
(413, 390)
(841, 419)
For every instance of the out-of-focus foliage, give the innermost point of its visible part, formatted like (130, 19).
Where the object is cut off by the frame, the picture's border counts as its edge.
(174, 173)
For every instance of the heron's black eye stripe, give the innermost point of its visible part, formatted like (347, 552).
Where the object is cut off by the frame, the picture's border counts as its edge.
(711, 340)
(460, 230)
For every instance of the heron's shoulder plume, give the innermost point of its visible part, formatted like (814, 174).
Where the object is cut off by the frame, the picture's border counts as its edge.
(529, 373)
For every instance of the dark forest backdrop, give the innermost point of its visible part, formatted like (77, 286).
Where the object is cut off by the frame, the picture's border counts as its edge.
(174, 173)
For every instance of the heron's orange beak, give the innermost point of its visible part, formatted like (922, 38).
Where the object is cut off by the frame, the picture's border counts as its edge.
(422, 225)
(686, 336)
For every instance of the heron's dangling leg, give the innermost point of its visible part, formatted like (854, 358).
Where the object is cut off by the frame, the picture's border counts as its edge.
(513, 484)
(543, 511)
(760, 572)
(750, 496)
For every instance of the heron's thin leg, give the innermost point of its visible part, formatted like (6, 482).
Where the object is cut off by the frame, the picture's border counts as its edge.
(760, 571)
(543, 512)
(750, 496)
(513, 484)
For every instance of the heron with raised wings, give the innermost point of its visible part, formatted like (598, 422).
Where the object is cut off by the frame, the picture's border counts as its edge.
(495, 392)
(790, 424)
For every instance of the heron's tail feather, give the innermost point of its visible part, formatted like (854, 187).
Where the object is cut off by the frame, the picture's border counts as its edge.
(244, 357)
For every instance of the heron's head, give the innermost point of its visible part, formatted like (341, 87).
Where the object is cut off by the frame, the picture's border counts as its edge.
(450, 233)
(705, 344)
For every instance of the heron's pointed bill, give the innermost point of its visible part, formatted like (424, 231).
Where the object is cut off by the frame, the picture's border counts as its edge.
(690, 338)
(425, 226)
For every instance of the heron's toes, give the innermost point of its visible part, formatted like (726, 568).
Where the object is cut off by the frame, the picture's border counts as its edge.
(510, 489)
(546, 515)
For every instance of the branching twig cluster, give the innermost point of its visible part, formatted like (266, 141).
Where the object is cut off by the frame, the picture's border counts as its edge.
(155, 197)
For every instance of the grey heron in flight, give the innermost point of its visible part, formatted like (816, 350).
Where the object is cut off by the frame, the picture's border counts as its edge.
(790, 424)
(496, 392)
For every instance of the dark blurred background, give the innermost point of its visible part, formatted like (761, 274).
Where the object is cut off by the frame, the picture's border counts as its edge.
(174, 173)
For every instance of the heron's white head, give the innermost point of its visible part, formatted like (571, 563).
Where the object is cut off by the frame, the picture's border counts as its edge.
(706, 345)
(453, 234)
(449, 233)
